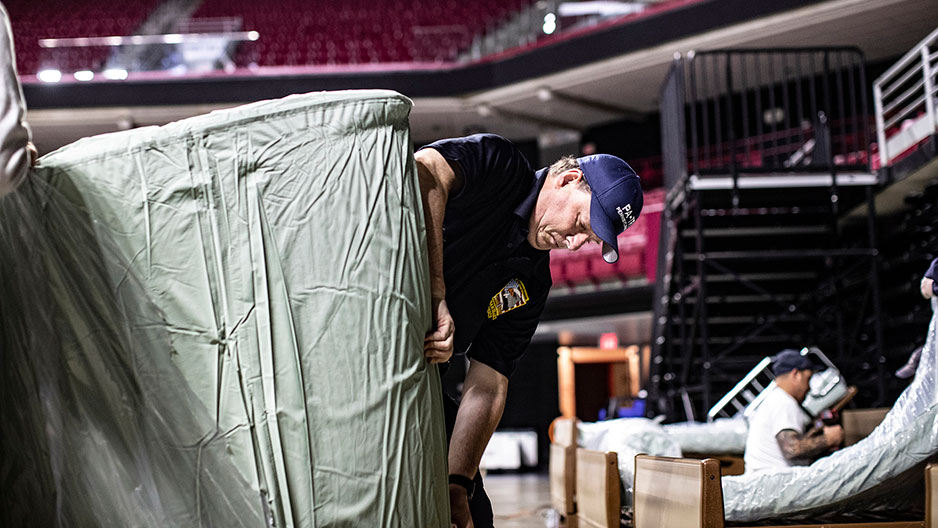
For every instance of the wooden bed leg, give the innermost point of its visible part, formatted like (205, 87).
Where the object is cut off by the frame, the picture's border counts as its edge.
(931, 496)
(566, 382)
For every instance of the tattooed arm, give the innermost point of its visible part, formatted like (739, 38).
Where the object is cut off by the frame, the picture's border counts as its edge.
(797, 446)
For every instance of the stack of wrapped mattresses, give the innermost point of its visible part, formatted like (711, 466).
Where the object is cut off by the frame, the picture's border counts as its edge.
(220, 322)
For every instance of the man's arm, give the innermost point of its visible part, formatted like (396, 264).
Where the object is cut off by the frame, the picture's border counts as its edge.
(15, 155)
(798, 446)
(928, 281)
(483, 400)
(437, 180)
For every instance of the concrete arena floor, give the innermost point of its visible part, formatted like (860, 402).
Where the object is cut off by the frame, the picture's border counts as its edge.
(519, 500)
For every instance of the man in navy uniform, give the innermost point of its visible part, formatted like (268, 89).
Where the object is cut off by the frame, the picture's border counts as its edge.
(491, 223)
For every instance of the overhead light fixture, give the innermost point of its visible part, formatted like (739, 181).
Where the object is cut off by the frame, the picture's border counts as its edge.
(49, 76)
(544, 94)
(550, 23)
(602, 8)
(484, 110)
(115, 74)
(83, 75)
(253, 35)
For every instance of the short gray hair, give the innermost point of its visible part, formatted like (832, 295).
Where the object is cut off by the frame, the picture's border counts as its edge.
(563, 165)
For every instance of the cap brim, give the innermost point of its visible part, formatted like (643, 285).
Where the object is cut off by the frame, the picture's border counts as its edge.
(603, 228)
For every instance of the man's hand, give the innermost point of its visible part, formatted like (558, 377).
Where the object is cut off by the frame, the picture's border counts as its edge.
(833, 435)
(33, 154)
(459, 507)
(926, 287)
(438, 343)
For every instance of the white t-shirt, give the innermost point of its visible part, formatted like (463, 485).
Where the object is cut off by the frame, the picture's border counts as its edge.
(779, 411)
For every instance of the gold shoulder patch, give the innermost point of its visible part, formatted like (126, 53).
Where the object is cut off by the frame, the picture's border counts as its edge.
(512, 296)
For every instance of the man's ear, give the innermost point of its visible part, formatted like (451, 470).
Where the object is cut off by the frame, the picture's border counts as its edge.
(569, 176)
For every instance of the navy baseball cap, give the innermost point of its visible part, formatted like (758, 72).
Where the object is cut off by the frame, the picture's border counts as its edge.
(788, 360)
(617, 199)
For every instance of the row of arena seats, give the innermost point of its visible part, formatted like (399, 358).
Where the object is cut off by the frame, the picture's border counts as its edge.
(292, 32)
(33, 20)
(638, 253)
(298, 32)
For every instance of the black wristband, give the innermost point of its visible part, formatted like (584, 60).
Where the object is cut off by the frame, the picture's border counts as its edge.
(465, 482)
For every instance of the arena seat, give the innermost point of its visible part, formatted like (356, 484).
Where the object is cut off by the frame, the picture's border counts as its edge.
(638, 252)
(358, 31)
(32, 21)
(292, 32)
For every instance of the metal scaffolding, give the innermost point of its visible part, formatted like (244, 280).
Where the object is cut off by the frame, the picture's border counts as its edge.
(763, 151)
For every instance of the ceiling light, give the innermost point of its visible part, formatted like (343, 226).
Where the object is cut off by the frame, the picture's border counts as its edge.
(550, 23)
(83, 75)
(600, 7)
(544, 94)
(49, 76)
(115, 74)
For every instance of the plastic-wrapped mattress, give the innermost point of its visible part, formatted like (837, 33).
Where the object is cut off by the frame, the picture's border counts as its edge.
(867, 477)
(723, 436)
(220, 322)
(628, 437)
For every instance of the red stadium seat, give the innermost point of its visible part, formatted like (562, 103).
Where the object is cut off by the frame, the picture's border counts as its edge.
(32, 21)
(362, 30)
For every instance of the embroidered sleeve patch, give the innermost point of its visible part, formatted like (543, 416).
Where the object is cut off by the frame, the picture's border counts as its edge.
(512, 296)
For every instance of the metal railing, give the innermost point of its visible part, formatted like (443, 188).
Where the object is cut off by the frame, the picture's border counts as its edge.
(766, 111)
(905, 97)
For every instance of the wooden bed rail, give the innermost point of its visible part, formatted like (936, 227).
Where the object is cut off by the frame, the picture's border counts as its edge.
(597, 484)
(562, 468)
(687, 493)
(931, 496)
(677, 492)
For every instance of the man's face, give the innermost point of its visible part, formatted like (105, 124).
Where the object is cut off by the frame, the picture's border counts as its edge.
(802, 380)
(561, 219)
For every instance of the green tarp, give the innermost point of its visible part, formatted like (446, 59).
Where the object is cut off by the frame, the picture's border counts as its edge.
(278, 252)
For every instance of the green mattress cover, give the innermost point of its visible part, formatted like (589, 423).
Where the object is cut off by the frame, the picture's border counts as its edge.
(282, 244)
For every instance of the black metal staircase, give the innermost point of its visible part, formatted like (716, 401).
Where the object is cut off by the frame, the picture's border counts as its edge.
(764, 150)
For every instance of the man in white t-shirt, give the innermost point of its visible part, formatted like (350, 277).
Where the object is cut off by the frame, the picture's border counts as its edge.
(777, 436)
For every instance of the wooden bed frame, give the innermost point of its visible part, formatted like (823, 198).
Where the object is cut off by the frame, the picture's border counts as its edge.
(688, 493)
(585, 484)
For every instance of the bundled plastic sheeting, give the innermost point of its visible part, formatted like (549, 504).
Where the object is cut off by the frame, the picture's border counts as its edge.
(627, 437)
(723, 436)
(869, 478)
(220, 322)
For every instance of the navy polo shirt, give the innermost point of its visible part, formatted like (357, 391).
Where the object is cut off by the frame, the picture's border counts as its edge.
(931, 273)
(496, 283)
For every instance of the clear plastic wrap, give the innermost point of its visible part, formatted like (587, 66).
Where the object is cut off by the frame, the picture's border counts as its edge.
(868, 478)
(723, 436)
